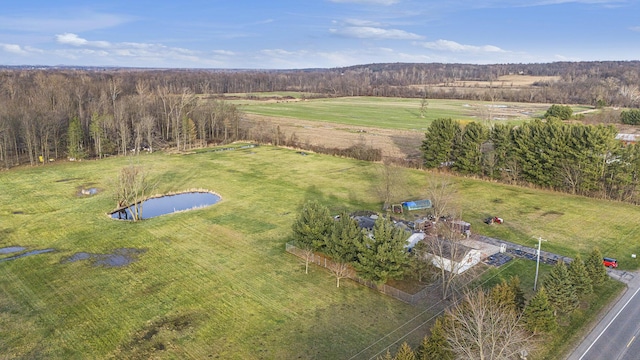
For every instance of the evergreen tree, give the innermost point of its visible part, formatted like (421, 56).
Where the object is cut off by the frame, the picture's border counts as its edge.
(312, 227)
(597, 272)
(583, 163)
(520, 300)
(341, 244)
(560, 290)
(405, 353)
(437, 147)
(383, 256)
(622, 171)
(538, 314)
(504, 295)
(509, 295)
(502, 153)
(580, 276)
(562, 112)
(435, 346)
(75, 138)
(418, 265)
(467, 152)
(630, 117)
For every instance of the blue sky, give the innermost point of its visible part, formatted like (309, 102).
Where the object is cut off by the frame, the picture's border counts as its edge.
(284, 34)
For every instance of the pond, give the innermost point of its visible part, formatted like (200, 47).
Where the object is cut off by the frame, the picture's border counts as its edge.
(169, 204)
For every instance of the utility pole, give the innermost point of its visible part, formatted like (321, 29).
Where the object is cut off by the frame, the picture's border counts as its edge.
(535, 282)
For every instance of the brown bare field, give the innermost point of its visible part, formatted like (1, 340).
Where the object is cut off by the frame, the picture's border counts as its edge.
(393, 143)
(504, 81)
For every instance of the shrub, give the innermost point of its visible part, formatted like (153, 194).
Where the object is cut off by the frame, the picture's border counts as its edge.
(562, 112)
(630, 117)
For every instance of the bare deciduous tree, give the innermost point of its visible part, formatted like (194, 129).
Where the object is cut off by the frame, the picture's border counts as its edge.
(390, 183)
(480, 328)
(440, 190)
(340, 270)
(132, 188)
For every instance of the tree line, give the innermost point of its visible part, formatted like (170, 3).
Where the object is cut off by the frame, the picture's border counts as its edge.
(49, 115)
(52, 113)
(569, 157)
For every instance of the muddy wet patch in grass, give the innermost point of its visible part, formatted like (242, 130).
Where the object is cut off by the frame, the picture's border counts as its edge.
(119, 257)
(87, 191)
(67, 180)
(11, 249)
(158, 336)
(20, 250)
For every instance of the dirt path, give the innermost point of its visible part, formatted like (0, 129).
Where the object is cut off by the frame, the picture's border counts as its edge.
(393, 143)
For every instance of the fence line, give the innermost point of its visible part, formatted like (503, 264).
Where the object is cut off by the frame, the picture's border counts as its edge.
(326, 262)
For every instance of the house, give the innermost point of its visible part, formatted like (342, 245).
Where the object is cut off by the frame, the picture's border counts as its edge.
(366, 222)
(453, 256)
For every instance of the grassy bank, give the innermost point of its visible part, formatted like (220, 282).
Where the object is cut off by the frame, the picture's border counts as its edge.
(217, 281)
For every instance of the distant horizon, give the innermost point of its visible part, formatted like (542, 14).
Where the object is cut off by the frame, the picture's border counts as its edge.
(315, 34)
(297, 69)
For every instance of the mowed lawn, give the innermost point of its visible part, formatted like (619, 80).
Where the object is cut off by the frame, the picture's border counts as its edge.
(390, 113)
(216, 282)
(212, 282)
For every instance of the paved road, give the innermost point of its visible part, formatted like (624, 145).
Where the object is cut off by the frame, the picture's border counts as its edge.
(617, 335)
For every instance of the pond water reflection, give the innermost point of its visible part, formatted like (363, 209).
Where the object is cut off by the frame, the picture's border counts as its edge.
(169, 204)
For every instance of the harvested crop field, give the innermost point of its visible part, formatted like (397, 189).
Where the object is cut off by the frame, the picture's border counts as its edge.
(393, 143)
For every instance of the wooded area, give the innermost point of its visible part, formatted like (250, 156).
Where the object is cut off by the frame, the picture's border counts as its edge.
(120, 111)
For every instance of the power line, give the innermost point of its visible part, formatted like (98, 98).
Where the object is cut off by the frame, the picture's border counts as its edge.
(424, 322)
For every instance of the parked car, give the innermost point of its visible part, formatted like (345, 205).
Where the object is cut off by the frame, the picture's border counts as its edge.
(610, 262)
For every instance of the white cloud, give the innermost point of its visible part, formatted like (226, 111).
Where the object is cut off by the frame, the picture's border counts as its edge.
(370, 32)
(224, 52)
(448, 45)
(635, 28)
(281, 52)
(372, 2)
(360, 22)
(75, 40)
(13, 48)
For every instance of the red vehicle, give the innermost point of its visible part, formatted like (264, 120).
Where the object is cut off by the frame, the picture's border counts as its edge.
(610, 263)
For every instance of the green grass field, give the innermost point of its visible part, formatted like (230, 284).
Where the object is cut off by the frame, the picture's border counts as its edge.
(216, 282)
(391, 113)
(212, 282)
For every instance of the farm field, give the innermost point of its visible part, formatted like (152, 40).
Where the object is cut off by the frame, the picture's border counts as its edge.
(392, 113)
(393, 125)
(216, 282)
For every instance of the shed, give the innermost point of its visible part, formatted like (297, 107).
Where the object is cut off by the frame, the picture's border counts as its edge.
(461, 226)
(627, 138)
(413, 240)
(455, 257)
(417, 204)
